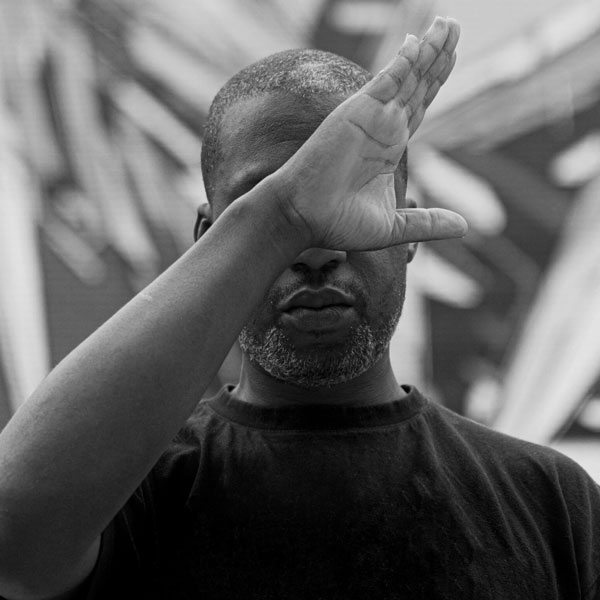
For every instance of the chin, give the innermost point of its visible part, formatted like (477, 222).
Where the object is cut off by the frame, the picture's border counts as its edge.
(319, 366)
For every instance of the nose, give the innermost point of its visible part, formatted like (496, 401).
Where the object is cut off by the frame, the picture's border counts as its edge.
(319, 258)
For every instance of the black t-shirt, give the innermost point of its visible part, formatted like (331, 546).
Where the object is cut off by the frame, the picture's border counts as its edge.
(405, 500)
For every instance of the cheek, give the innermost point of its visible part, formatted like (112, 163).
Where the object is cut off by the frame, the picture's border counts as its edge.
(385, 275)
(265, 316)
(385, 269)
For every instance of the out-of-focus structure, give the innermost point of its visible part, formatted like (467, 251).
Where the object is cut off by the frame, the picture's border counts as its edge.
(101, 110)
(526, 118)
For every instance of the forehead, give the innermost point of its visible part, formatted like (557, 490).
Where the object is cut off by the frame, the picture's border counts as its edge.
(260, 134)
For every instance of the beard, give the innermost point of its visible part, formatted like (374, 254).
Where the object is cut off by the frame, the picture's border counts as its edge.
(321, 365)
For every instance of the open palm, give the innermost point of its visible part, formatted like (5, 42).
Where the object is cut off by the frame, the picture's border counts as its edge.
(344, 173)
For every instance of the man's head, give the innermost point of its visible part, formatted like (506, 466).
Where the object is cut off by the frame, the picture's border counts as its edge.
(330, 316)
(304, 74)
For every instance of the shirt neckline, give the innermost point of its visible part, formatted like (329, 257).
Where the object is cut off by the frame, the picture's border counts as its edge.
(317, 417)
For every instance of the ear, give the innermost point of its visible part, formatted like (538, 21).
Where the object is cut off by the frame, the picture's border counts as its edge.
(413, 246)
(203, 220)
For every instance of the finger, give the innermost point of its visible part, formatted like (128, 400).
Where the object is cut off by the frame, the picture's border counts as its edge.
(446, 72)
(444, 56)
(387, 83)
(435, 55)
(426, 224)
(417, 73)
(444, 62)
(435, 87)
(403, 71)
(402, 76)
(417, 116)
(439, 69)
(431, 54)
(432, 45)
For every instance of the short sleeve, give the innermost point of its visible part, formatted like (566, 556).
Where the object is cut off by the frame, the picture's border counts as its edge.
(581, 495)
(129, 560)
(126, 552)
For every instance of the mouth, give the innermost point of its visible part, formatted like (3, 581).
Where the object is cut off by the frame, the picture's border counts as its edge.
(319, 310)
(317, 299)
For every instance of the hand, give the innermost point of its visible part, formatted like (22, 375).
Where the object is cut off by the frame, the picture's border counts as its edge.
(340, 183)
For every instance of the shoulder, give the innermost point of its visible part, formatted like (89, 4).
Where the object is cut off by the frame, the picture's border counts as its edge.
(509, 456)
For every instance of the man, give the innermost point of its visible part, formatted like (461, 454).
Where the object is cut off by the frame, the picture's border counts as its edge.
(318, 476)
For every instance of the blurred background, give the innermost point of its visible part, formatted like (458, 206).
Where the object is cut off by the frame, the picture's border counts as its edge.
(102, 104)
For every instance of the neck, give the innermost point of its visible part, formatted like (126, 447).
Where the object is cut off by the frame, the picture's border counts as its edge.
(377, 385)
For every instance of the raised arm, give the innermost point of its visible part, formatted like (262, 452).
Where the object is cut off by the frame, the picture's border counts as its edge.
(77, 449)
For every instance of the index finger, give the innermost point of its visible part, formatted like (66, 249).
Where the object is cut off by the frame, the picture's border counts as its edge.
(387, 83)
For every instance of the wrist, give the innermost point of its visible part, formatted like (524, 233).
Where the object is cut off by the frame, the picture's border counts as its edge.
(268, 208)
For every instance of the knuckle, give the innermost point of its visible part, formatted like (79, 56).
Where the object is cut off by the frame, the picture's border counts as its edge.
(429, 79)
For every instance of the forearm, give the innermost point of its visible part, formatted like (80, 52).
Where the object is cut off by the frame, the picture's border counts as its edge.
(78, 448)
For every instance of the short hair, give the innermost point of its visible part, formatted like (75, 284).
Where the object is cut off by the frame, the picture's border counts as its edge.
(305, 73)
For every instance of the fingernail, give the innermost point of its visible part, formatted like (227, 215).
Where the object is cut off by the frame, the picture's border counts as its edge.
(463, 226)
(454, 22)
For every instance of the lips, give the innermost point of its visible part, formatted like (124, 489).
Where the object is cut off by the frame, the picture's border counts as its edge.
(316, 299)
(325, 312)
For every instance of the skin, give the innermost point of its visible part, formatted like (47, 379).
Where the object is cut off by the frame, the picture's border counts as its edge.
(105, 414)
(252, 150)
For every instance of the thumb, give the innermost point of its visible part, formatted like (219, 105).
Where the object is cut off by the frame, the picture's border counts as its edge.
(426, 224)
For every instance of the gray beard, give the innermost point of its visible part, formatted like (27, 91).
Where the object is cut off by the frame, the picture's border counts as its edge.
(322, 366)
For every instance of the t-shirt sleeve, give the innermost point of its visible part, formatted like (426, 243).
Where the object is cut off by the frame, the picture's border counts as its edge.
(581, 495)
(586, 523)
(131, 544)
(124, 550)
